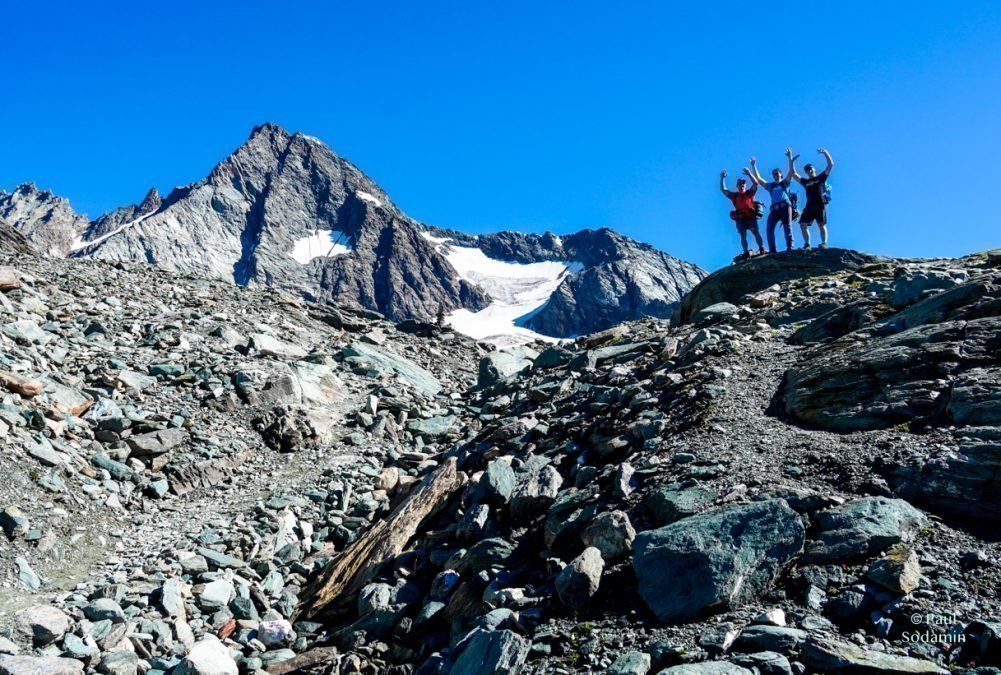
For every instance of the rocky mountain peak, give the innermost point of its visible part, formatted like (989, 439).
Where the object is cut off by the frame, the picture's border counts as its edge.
(46, 220)
(151, 202)
(284, 210)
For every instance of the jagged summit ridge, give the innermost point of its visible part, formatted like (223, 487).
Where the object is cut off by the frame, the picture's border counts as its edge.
(284, 210)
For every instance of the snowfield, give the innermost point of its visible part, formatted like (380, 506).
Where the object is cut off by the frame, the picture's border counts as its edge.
(320, 244)
(517, 290)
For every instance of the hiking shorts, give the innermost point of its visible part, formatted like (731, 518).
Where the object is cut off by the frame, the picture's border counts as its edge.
(745, 225)
(814, 213)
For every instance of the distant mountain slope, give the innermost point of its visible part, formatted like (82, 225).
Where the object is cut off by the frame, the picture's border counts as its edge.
(285, 211)
(12, 241)
(47, 221)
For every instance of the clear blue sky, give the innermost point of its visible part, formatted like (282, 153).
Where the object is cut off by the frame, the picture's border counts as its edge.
(531, 115)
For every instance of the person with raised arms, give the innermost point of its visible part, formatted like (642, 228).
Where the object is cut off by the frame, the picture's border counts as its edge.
(745, 211)
(817, 196)
(782, 208)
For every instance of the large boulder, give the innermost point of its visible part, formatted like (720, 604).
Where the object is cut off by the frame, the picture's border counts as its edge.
(863, 528)
(829, 656)
(715, 560)
(500, 365)
(730, 284)
(208, 657)
(485, 652)
(42, 625)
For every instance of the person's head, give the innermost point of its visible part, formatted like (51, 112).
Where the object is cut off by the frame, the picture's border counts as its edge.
(810, 171)
(741, 185)
(777, 174)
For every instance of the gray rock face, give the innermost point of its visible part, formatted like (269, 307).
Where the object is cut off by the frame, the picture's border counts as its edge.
(863, 527)
(707, 668)
(733, 282)
(42, 624)
(45, 220)
(830, 656)
(41, 665)
(284, 211)
(622, 280)
(938, 359)
(496, 652)
(579, 581)
(208, 657)
(963, 482)
(13, 241)
(715, 560)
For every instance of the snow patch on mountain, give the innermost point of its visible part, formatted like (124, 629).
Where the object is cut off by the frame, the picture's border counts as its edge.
(319, 244)
(371, 199)
(79, 243)
(517, 290)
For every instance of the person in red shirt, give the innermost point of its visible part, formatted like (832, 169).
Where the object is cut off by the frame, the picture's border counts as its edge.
(744, 213)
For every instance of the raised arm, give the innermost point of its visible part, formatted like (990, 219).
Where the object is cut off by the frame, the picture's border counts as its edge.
(722, 184)
(830, 162)
(792, 166)
(753, 173)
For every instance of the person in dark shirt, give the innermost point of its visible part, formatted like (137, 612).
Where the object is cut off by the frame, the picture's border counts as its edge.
(815, 210)
(745, 213)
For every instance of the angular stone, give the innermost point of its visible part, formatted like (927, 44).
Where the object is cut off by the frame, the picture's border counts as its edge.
(119, 663)
(673, 502)
(208, 657)
(220, 560)
(156, 442)
(863, 527)
(707, 668)
(630, 663)
(14, 522)
(216, 594)
(577, 583)
(269, 345)
(407, 370)
(611, 533)
(104, 609)
(715, 560)
(830, 656)
(41, 665)
(42, 624)
(899, 571)
(483, 652)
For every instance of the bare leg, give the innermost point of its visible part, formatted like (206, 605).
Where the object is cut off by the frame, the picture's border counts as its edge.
(805, 229)
(823, 233)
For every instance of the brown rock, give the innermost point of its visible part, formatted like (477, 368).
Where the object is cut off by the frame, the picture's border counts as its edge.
(19, 385)
(899, 571)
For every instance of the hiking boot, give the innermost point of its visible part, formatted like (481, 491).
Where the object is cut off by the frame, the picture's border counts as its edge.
(761, 251)
(806, 246)
(823, 245)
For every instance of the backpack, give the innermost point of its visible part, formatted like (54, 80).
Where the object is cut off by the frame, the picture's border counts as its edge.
(794, 203)
(826, 194)
(759, 209)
